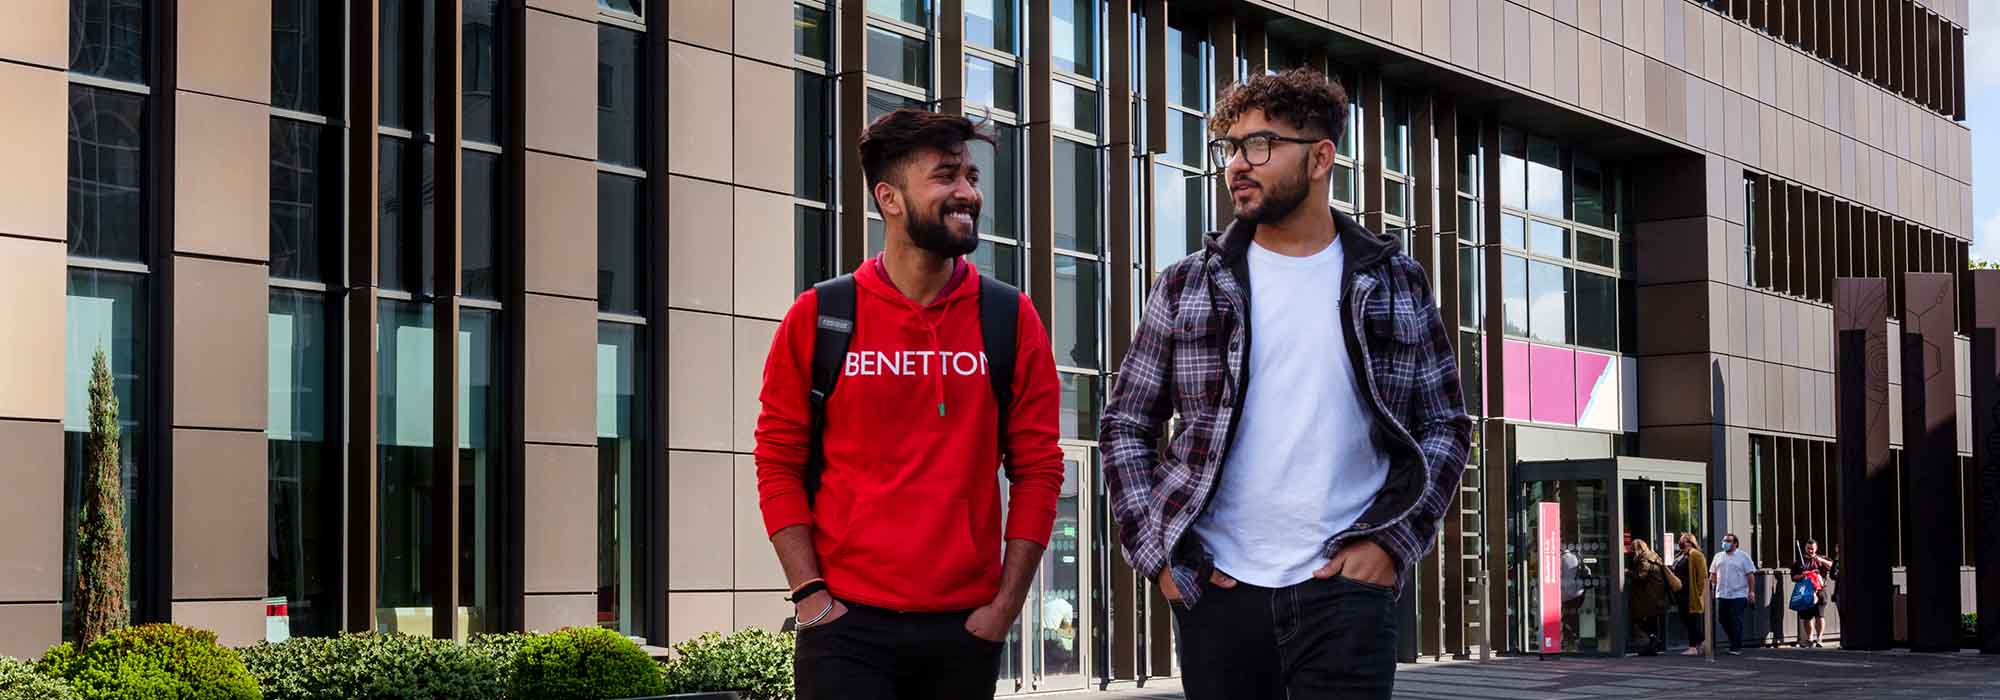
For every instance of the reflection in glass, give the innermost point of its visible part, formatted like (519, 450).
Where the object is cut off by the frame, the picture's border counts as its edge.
(1076, 196)
(104, 311)
(405, 390)
(1184, 68)
(627, 6)
(296, 47)
(296, 152)
(1073, 107)
(899, 58)
(1548, 302)
(479, 535)
(478, 251)
(1080, 403)
(991, 84)
(1590, 194)
(1343, 184)
(815, 247)
(1056, 647)
(1469, 228)
(1178, 200)
(1587, 560)
(480, 61)
(106, 173)
(990, 23)
(618, 363)
(406, 220)
(1073, 29)
(915, 12)
(305, 484)
(1395, 198)
(877, 237)
(1545, 181)
(1395, 132)
(1078, 300)
(813, 171)
(1513, 170)
(618, 120)
(107, 39)
(1548, 239)
(881, 103)
(1514, 295)
(618, 242)
(999, 182)
(395, 62)
(1513, 231)
(1471, 378)
(1471, 288)
(1468, 159)
(1596, 311)
(1596, 250)
(812, 33)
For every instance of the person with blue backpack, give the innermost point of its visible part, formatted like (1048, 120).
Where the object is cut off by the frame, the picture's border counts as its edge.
(1810, 575)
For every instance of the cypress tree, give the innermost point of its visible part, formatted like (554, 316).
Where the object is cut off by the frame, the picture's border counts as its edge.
(101, 567)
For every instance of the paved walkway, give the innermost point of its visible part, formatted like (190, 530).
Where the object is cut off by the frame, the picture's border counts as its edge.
(1820, 674)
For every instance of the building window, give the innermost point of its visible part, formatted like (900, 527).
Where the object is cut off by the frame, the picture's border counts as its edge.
(479, 226)
(1078, 301)
(481, 66)
(1077, 191)
(1073, 30)
(479, 441)
(636, 8)
(405, 364)
(106, 173)
(107, 39)
(619, 136)
(618, 458)
(897, 57)
(305, 479)
(916, 13)
(106, 312)
(406, 223)
(299, 180)
(990, 23)
(618, 244)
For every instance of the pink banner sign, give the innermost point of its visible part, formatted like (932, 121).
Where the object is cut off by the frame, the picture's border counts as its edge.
(1550, 537)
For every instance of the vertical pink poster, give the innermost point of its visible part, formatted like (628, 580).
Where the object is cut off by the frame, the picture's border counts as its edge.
(1550, 536)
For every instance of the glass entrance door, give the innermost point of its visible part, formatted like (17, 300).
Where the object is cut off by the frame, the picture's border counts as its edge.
(1046, 649)
(1584, 565)
(1659, 512)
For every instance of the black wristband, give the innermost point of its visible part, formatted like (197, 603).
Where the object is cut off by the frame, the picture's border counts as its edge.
(807, 591)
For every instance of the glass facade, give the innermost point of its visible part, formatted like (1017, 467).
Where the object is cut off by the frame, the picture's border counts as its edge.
(306, 486)
(405, 493)
(106, 313)
(618, 458)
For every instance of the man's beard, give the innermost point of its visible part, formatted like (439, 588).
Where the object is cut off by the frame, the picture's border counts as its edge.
(934, 235)
(1280, 200)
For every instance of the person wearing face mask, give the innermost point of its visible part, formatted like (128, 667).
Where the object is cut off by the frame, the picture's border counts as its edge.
(1730, 575)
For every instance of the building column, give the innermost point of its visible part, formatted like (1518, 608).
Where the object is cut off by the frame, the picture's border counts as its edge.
(1930, 451)
(1985, 368)
(1115, 658)
(1495, 623)
(448, 170)
(34, 122)
(363, 206)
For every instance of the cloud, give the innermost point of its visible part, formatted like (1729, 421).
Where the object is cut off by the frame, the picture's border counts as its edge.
(1982, 58)
(1986, 237)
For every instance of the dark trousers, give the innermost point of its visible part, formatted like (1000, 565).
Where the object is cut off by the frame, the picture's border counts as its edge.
(1696, 634)
(1731, 612)
(1325, 638)
(876, 654)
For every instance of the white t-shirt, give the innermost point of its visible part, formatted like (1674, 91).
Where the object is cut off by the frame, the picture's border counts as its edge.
(1728, 570)
(1304, 465)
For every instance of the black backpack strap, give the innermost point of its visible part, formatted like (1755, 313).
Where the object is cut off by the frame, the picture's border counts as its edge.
(999, 313)
(831, 333)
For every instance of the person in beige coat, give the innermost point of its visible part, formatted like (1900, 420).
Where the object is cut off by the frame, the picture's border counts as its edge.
(1692, 570)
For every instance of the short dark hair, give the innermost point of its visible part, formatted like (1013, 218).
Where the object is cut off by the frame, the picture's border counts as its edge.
(1302, 97)
(1812, 542)
(890, 141)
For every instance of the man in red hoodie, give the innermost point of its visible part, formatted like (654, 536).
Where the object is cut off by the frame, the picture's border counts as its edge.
(895, 560)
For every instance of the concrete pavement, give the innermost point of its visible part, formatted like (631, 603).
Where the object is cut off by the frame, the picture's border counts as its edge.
(1815, 674)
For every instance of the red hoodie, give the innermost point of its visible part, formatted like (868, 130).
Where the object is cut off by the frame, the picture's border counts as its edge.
(908, 512)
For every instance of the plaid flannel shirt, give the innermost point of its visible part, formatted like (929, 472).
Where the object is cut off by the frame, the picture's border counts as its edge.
(1189, 360)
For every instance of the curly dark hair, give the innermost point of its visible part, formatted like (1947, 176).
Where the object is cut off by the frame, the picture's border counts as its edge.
(1302, 97)
(890, 141)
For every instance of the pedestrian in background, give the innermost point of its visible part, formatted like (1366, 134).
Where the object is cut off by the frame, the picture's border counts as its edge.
(1646, 580)
(1732, 575)
(1814, 570)
(1692, 569)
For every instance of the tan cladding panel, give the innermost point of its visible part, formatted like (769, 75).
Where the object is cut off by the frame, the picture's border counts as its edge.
(34, 124)
(548, 613)
(31, 513)
(700, 240)
(222, 177)
(27, 629)
(764, 250)
(763, 30)
(561, 85)
(699, 545)
(699, 142)
(561, 229)
(704, 22)
(757, 565)
(560, 399)
(764, 156)
(220, 344)
(220, 510)
(587, 9)
(225, 49)
(236, 623)
(699, 407)
(33, 280)
(37, 32)
(560, 501)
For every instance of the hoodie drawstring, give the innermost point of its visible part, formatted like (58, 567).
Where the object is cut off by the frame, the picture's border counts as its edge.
(937, 346)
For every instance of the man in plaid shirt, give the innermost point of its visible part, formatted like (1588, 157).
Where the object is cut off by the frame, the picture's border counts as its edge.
(1307, 471)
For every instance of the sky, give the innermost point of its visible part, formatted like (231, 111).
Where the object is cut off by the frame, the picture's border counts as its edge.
(1982, 111)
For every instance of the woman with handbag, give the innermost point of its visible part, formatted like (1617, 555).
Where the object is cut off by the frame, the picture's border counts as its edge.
(1646, 582)
(1689, 579)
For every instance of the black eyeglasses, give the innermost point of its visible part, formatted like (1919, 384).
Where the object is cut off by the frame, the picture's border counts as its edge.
(1256, 148)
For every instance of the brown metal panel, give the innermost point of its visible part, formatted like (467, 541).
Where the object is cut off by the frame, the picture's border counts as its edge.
(1120, 594)
(1423, 217)
(1958, 74)
(1371, 151)
(1930, 450)
(1985, 370)
(448, 174)
(851, 92)
(1222, 37)
(1040, 176)
(951, 56)
(1155, 51)
(364, 193)
(654, 506)
(1495, 619)
(1451, 576)
(1254, 46)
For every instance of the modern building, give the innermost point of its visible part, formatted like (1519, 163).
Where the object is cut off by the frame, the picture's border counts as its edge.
(449, 317)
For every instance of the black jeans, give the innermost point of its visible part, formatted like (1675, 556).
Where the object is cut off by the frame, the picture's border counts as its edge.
(1325, 638)
(1731, 612)
(876, 654)
(1692, 623)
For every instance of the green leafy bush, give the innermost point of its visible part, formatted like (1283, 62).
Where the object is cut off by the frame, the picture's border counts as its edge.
(374, 667)
(753, 662)
(502, 648)
(20, 681)
(582, 663)
(152, 662)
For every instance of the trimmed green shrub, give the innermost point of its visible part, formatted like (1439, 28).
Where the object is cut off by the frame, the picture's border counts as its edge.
(502, 648)
(753, 662)
(582, 663)
(20, 681)
(373, 667)
(152, 662)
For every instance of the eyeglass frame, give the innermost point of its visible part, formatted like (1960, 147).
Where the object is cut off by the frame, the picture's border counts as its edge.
(1241, 145)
